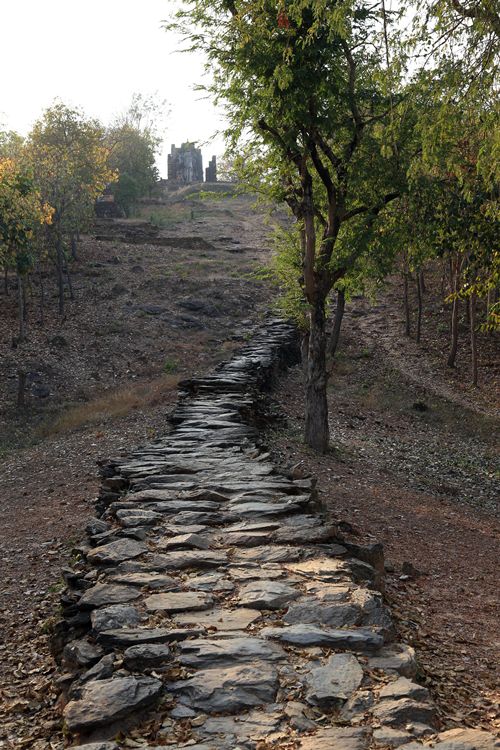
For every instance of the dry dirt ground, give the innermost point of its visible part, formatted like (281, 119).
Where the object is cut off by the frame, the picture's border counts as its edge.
(103, 380)
(424, 484)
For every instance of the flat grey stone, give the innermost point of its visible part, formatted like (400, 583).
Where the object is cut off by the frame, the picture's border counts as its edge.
(100, 671)
(81, 653)
(96, 746)
(268, 554)
(187, 559)
(149, 580)
(182, 712)
(311, 635)
(131, 517)
(183, 541)
(194, 528)
(390, 737)
(254, 726)
(123, 637)
(404, 688)
(211, 582)
(229, 689)
(399, 713)
(105, 701)
(146, 656)
(103, 594)
(116, 616)
(335, 681)
(179, 601)
(337, 738)
(115, 552)
(395, 658)
(309, 610)
(205, 653)
(467, 739)
(221, 619)
(331, 570)
(263, 594)
(357, 705)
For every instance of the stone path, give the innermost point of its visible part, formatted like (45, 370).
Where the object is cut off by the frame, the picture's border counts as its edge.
(213, 593)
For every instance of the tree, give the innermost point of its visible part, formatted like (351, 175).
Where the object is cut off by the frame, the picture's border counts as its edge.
(307, 89)
(133, 142)
(21, 210)
(70, 167)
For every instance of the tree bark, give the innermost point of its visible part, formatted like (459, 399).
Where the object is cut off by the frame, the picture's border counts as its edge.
(70, 283)
(473, 337)
(337, 324)
(42, 296)
(74, 253)
(419, 306)
(60, 272)
(21, 307)
(422, 281)
(454, 317)
(406, 303)
(316, 430)
(6, 280)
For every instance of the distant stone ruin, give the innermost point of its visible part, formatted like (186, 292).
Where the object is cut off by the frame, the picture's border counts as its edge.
(185, 164)
(211, 170)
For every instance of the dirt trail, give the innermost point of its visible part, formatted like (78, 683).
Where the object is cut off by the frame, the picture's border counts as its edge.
(423, 484)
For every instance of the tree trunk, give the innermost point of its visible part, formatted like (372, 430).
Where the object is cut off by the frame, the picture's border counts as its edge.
(21, 388)
(454, 317)
(74, 254)
(419, 306)
(473, 337)
(304, 349)
(60, 271)
(6, 280)
(422, 281)
(406, 302)
(42, 296)
(337, 323)
(316, 431)
(21, 307)
(70, 283)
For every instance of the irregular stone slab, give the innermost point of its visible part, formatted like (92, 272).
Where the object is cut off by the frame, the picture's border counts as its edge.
(263, 594)
(404, 688)
(395, 658)
(181, 601)
(463, 739)
(390, 737)
(309, 610)
(183, 541)
(123, 637)
(105, 701)
(96, 746)
(132, 517)
(116, 616)
(205, 653)
(81, 653)
(335, 681)
(269, 553)
(230, 689)
(357, 706)
(149, 580)
(187, 559)
(104, 593)
(338, 738)
(249, 510)
(100, 671)
(146, 656)
(311, 635)
(253, 726)
(330, 569)
(399, 713)
(211, 582)
(221, 619)
(194, 528)
(115, 552)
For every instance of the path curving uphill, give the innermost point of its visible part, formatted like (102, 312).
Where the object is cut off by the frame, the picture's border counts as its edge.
(215, 607)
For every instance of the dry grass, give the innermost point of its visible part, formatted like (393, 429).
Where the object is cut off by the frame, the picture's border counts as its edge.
(111, 404)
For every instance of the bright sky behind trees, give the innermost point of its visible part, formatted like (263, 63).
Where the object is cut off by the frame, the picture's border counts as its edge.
(95, 55)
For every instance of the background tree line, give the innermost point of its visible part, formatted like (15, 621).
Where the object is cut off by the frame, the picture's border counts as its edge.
(49, 182)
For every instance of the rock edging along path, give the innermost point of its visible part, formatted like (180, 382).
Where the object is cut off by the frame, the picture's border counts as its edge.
(213, 595)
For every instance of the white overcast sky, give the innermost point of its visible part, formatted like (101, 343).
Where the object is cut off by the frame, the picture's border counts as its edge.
(95, 54)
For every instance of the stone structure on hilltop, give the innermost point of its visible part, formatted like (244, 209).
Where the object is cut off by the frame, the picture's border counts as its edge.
(185, 164)
(211, 170)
